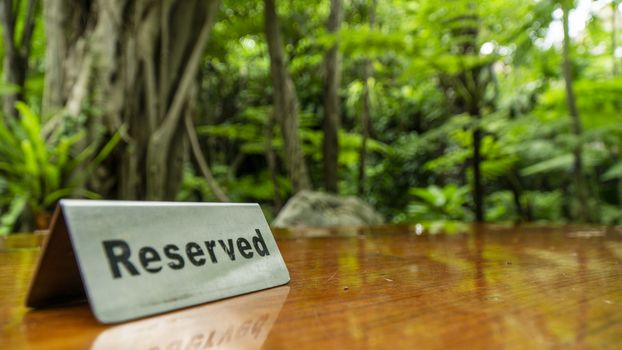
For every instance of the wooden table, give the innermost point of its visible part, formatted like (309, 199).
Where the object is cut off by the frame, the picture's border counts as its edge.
(382, 287)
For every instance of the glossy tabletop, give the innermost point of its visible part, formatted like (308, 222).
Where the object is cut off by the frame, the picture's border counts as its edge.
(488, 287)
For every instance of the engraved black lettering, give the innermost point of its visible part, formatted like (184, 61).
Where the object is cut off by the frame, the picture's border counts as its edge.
(230, 250)
(152, 260)
(210, 249)
(170, 251)
(245, 249)
(193, 250)
(148, 255)
(260, 244)
(118, 252)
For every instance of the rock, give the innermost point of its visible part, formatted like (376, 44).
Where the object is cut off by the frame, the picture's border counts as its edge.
(319, 209)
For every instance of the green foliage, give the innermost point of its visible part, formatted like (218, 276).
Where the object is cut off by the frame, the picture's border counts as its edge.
(560, 163)
(614, 172)
(430, 60)
(546, 206)
(434, 203)
(38, 169)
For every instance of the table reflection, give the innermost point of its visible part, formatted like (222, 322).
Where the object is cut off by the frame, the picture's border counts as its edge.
(488, 288)
(238, 323)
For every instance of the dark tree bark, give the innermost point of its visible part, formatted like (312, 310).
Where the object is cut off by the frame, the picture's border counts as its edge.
(17, 50)
(272, 165)
(515, 184)
(332, 103)
(579, 180)
(478, 188)
(130, 64)
(366, 110)
(285, 101)
(469, 86)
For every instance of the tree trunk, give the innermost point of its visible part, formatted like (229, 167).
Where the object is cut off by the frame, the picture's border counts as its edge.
(469, 86)
(285, 102)
(514, 182)
(16, 52)
(614, 65)
(272, 166)
(579, 181)
(478, 188)
(58, 33)
(332, 104)
(121, 67)
(366, 111)
(614, 34)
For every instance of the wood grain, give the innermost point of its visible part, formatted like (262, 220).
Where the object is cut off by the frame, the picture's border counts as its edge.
(489, 287)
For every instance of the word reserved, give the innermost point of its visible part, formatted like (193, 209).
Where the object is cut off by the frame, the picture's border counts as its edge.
(121, 257)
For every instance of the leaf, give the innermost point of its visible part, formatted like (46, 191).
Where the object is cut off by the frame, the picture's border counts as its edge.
(494, 168)
(245, 132)
(79, 179)
(563, 162)
(432, 195)
(29, 158)
(6, 88)
(30, 122)
(63, 148)
(107, 149)
(615, 172)
(69, 192)
(8, 219)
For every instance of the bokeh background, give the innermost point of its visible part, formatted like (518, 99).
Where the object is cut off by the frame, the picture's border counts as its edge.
(429, 111)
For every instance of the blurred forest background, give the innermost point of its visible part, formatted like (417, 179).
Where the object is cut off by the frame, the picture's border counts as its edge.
(451, 111)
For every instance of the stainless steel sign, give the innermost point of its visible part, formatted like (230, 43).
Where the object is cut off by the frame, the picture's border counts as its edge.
(134, 259)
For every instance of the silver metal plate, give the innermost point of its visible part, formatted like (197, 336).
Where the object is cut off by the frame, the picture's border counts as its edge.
(143, 258)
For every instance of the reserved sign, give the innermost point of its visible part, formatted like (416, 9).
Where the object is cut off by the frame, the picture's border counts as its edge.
(133, 259)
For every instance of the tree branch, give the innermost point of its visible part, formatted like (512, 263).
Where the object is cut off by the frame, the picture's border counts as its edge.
(163, 93)
(29, 26)
(160, 140)
(198, 155)
(166, 129)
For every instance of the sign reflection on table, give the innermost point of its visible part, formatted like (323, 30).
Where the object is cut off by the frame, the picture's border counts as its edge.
(239, 323)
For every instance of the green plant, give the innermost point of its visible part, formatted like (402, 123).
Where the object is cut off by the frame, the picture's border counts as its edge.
(435, 203)
(38, 168)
